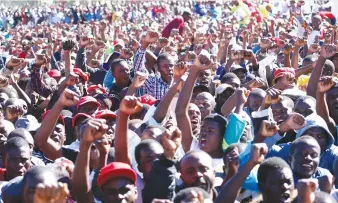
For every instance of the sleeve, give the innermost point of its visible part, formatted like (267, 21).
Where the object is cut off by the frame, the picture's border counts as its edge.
(234, 130)
(108, 80)
(139, 61)
(164, 170)
(36, 83)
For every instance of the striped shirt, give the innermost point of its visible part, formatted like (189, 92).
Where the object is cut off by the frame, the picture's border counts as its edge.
(154, 85)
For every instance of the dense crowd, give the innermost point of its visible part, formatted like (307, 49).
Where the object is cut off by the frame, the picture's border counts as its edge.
(169, 102)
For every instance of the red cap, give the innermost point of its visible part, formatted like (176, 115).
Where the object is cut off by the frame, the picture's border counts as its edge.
(147, 99)
(93, 87)
(105, 114)
(60, 119)
(54, 73)
(280, 72)
(78, 116)
(116, 169)
(86, 99)
(83, 75)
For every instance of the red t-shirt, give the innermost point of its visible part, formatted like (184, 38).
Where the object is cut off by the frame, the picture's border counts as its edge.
(177, 23)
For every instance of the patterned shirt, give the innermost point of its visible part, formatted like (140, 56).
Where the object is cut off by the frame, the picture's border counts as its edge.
(154, 85)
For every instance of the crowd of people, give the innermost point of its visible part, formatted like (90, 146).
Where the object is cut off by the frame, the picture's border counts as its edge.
(169, 102)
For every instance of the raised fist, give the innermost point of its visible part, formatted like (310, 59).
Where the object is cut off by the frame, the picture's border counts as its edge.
(130, 105)
(258, 153)
(171, 140)
(68, 98)
(325, 84)
(93, 130)
(268, 129)
(295, 121)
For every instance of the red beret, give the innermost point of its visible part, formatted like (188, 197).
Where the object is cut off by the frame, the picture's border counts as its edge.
(83, 75)
(87, 99)
(114, 170)
(105, 114)
(280, 72)
(78, 116)
(93, 87)
(147, 99)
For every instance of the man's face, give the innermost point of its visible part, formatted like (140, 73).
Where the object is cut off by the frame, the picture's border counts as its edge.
(195, 118)
(119, 190)
(303, 107)
(305, 159)
(147, 157)
(204, 104)
(197, 171)
(255, 102)
(166, 69)
(122, 74)
(18, 161)
(280, 112)
(210, 138)
(332, 102)
(241, 75)
(59, 135)
(204, 78)
(316, 21)
(88, 108)
(279, 186)
(320, 135)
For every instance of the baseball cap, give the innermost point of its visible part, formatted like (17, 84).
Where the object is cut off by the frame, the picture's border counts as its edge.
(79, 72)
(280, 72)
(54, 73)
(105, 114)
(147, 99)
(116, 169)
(60, 119)
(94, 87)
(79, 115)
(237, 67)
(87, 99)
(28, 122)
(221, 88)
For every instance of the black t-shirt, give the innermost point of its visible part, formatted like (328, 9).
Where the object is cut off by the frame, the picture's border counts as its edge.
(69, 154)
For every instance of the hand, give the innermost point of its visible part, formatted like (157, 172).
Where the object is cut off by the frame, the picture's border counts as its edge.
(268, 128)
(325, 84)
(232, 160)
(103, 145)
(248, 54)
(134, 44)
(14, 62)
(126, 53)
(265, 43)
(242, 95)
(68, 45)
(301, 42)
(281, 43)
(72, 79)
(326, 183)
(130, 105)
(306, 189)
(93, 130)
(314, 48)
(151, 37)
(180, 68)
(103, 25)
(139, 79)
(256, 83)
(272, 96)
(68, 98)
(40, 59)
(171, 141)
(3, 81)
(179, 83)
(46, 193)
(84, 41)
(202, 63)
(288, 49)
(295, 121)
(162, 42)
(328, 51)
(99, 44)
(258, 153)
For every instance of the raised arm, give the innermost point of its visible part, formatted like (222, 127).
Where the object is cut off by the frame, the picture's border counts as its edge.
(231, 189)
(67, 47)
(129, 105)
(42, 137)
(181, 111)
(326, 52)
(93, 130)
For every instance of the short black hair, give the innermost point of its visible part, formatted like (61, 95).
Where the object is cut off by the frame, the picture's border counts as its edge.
(37, 172)
(116, 62)
(228, 76)
(183, 194)
(221, 120)
(143, 145)
(200, 88)
(302, 139)
(323, 197)
(273, 163)
(163, 56)
(15, 143)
